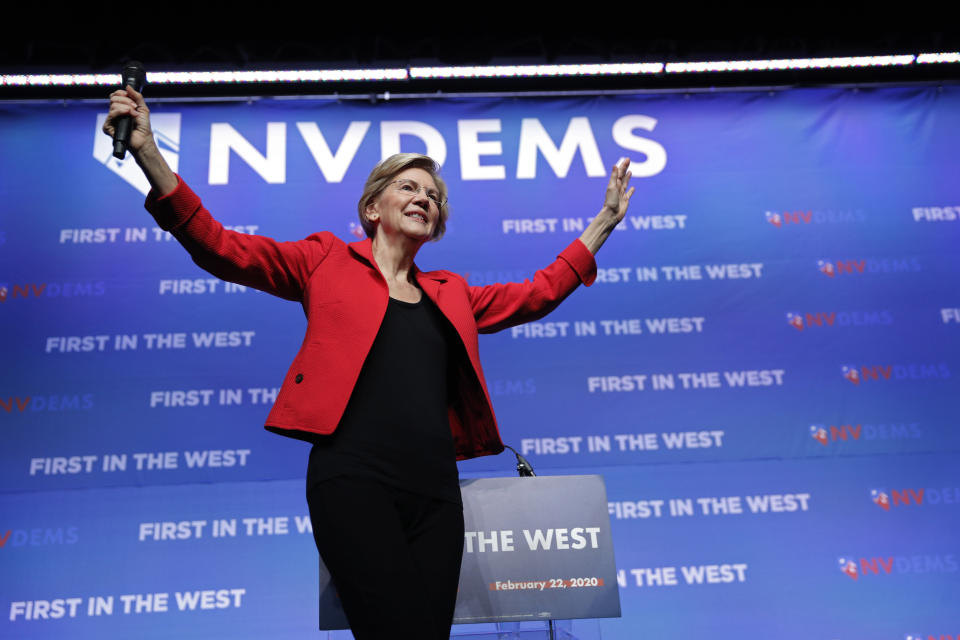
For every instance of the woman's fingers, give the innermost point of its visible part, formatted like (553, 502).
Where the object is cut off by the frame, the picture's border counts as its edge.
(118, 109)
(136, 95)
(128, 102)
(620, 176)
(121, 105)
(617, 197)
(614, 177)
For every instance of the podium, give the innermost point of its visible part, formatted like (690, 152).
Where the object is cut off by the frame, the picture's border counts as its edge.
(535, 549)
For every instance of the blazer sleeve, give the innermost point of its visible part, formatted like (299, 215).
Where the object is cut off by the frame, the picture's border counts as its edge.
(279, 268)
(499, 306)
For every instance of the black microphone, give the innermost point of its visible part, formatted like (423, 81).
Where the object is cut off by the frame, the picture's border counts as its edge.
(133, 76)
(524, 468)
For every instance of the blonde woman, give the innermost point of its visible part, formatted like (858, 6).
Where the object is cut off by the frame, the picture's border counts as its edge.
(387, 384)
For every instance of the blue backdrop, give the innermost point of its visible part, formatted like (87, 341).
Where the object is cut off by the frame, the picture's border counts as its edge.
(764, 372)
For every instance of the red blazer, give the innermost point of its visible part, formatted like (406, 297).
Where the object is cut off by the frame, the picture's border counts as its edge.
(345, 298)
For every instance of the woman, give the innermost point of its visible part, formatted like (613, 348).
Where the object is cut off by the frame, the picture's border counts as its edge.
(388, 383)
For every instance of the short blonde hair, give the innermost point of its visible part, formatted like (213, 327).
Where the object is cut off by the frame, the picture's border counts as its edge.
(385, 172)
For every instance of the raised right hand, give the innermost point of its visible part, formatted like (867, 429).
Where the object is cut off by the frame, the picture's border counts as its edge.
(143, 148)
(128, 102)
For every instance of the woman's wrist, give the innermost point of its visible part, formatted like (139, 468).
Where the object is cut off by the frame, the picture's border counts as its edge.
(599, 229)
(146, 152)
(162, 179)
(608, 218)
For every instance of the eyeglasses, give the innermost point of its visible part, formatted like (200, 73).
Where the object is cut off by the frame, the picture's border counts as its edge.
(410, 187)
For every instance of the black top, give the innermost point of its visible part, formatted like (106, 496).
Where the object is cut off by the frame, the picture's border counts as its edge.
(395, 427)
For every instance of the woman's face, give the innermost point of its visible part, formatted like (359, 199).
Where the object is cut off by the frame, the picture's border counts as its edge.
(404, 209)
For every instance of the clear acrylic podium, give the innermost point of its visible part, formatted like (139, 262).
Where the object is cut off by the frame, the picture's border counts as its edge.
(538, 555)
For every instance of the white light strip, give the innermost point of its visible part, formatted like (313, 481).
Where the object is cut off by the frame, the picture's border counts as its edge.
(495, 71)
(61, 80)
(209, 77)
(535, 70)
(926, 58)
(305, 75)
(793, 63)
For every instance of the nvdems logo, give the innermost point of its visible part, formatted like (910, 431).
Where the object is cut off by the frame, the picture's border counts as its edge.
(51, 289)
(860, 266)
(828, 319)
(896, 372)
(166, 131)
(916, 496)
(881, 566)
(827, 434)
(817, 216)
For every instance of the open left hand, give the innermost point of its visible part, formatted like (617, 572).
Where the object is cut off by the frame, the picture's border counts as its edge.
(615, 204)
(617, 198)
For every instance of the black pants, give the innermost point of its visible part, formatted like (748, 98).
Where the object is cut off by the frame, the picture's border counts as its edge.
(394, 556)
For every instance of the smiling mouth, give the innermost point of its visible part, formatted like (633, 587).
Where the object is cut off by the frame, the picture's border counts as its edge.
(418, 216)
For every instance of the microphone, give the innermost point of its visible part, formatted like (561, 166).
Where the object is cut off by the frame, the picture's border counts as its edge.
(524, 468)
(134, 76)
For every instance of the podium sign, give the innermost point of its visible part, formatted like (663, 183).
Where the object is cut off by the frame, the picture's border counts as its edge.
(534, 549)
